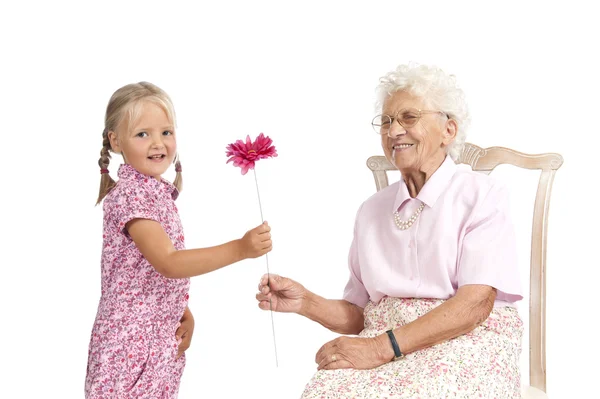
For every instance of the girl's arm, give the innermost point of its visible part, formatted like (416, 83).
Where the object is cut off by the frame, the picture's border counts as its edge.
(185, 331)
(156, 246)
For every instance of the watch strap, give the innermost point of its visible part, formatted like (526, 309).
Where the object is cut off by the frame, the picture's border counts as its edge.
(397, 353)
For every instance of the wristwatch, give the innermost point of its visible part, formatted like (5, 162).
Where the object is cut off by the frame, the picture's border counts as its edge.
(397, 353)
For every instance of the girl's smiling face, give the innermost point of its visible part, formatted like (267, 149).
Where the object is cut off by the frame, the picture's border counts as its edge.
(148, 143)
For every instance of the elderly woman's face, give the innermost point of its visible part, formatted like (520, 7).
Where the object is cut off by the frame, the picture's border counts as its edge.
(413, 148)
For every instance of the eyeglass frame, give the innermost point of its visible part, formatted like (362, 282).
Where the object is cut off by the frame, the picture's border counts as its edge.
(378, 128)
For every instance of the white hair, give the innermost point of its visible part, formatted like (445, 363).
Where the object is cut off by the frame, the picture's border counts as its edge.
(439, 91)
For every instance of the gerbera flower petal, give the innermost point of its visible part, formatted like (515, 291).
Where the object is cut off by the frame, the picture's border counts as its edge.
(244, 154)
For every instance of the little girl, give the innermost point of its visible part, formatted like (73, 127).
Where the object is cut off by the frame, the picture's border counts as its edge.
(133, 351)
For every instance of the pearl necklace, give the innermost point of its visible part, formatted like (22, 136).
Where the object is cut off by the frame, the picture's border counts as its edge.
(403, 225)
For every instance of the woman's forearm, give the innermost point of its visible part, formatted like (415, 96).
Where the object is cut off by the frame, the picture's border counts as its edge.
(339, 316)
(457, 316)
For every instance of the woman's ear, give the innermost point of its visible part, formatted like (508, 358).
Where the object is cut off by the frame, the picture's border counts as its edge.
(114, 142)
(450, 132)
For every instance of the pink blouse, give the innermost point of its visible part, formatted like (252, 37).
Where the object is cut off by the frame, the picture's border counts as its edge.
(464, 235)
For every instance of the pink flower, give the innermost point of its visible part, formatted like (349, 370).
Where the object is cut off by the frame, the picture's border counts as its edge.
(246, 154)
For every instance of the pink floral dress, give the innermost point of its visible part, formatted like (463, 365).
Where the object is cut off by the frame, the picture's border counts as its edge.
(133, 348)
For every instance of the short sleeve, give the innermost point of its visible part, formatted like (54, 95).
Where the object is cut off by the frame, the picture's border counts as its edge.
(489, 248)
(131, 202)
(355, 292)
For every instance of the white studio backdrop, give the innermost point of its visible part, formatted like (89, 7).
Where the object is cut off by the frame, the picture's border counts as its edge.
(303, 73)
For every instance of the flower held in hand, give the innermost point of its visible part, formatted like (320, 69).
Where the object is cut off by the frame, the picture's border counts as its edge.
(246, 154)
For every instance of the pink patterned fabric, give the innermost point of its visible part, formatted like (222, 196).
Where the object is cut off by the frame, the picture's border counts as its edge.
(133, 348)
(464, 235)
(481, 364)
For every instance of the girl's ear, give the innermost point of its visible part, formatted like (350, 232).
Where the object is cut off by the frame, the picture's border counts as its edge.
(114, 142)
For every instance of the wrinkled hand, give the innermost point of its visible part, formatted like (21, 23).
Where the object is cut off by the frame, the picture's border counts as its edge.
(256, 242)
(351, 352)
(286, 295)
(184, 333)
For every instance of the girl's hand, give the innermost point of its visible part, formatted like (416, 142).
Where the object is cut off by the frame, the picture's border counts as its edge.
(184, 332)
(286, 295)
(356, 353)
(256, 242)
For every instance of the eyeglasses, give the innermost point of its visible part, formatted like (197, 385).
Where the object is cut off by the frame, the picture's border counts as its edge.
(406, 117)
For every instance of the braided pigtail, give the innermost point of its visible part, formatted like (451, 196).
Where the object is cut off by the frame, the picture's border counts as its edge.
(178, 182)
(106, 182)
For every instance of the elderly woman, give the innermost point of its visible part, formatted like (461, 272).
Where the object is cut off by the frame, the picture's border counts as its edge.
(433, 273)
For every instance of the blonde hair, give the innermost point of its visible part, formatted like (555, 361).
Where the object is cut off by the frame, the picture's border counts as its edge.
(125, 106)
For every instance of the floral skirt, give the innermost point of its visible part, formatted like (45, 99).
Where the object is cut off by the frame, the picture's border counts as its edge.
(481, 364)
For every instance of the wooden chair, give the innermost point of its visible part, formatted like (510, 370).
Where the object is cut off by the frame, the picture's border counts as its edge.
(484, 161)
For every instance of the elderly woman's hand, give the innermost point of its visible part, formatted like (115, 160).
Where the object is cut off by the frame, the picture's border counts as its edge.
(286, 295)
(352, 352)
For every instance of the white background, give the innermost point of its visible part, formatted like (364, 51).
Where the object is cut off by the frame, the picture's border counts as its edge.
(303, 73)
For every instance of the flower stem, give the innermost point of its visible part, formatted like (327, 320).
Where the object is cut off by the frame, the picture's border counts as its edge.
(268, 273)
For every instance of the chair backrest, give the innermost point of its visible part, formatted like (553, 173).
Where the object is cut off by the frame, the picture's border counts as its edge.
(484, 161)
